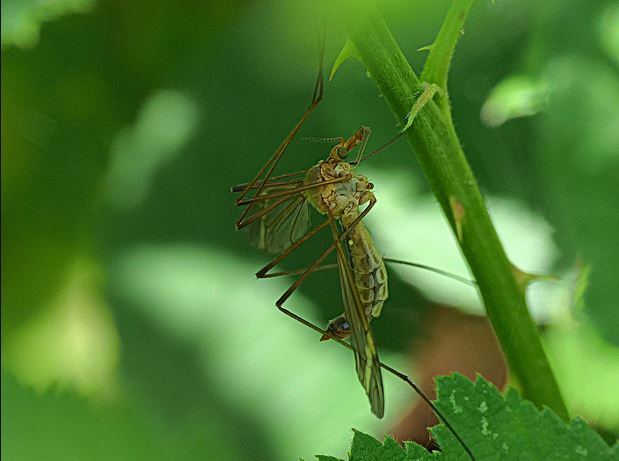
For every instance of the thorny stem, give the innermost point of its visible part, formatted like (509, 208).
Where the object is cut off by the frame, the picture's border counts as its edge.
(442, 160)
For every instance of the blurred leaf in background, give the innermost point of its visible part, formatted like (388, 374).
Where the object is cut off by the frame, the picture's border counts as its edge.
(22, 19)
(132, 324)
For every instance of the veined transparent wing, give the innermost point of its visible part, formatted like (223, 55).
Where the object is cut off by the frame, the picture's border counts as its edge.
(283, 225)
(366, 354)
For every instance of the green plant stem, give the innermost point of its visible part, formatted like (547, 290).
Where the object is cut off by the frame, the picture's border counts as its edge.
(442, 160)
(436, 67)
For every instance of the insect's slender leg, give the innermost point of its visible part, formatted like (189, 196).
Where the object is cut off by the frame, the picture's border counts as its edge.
(286, 195)
(422, 100)
(291, 191)
(320, 258)
(432, 269)
(380, 149)
(279, 303)
(272, 182)
(324, 267)
(269, 166)
(438, 413)
(256, 216)
(362, 148)
(287, 175)
(309, 324)
(272, 162)
(387, 260)
(262, 273)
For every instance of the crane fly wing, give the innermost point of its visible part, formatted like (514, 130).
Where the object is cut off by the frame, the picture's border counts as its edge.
(366, 354)
(283, 225)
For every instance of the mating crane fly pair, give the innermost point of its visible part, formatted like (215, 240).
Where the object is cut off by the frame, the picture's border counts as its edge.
(277, 215)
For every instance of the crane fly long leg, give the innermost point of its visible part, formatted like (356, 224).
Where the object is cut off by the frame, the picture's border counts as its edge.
(305, 187)
(361, 158)
(458, 278)
(324, 254)
(272, 181)
(429, 402)
(285, 195)
(263, 273)
(422, 100)
(270, 165)
(381, 148)
(256, 216)
(362, 148)
(272, 162)
(387, 260)
(324, 267)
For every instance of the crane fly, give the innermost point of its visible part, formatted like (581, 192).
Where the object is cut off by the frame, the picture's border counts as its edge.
(334, 190)
(277, 215)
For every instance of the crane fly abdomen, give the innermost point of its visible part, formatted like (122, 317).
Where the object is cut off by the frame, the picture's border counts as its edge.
(368, 268)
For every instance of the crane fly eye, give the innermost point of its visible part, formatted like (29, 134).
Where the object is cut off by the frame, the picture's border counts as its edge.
(341, 152)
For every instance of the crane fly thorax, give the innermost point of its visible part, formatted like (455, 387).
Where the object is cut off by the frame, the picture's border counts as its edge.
(342, 197)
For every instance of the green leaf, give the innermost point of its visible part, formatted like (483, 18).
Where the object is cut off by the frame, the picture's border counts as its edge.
(366, 448)
(495, 427)
(22, 19)
(347, 52)
(515, 96)
(437, 65)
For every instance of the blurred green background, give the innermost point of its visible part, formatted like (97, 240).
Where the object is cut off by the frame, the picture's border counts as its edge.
(132, 324)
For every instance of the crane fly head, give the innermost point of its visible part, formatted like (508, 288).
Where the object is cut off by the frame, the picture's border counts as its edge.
(341, 150)
(338, 327)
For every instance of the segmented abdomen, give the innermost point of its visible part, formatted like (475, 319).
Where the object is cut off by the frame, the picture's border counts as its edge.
(368, 267)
